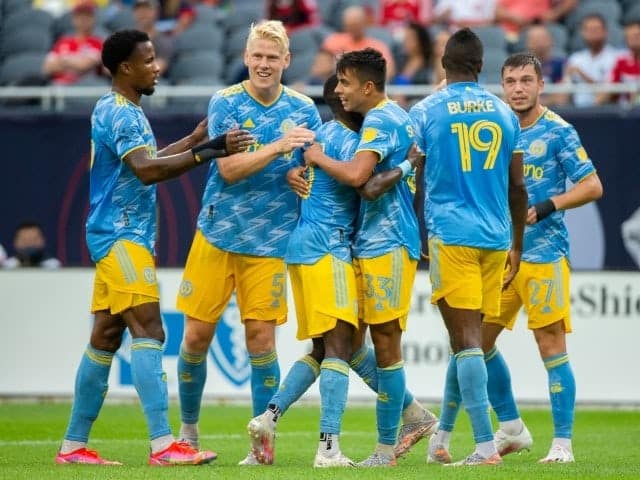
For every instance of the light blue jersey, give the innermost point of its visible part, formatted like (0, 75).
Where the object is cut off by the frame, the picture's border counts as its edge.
(121, 207)
(255, 215)
(388, 222)
(469, 136)
(328, 215)
(552, 153)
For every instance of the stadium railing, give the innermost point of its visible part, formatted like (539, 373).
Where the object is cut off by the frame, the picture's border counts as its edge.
(54, 98)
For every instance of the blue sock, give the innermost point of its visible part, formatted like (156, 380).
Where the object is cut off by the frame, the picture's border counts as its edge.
(334, 388)
(265, 378)
(562, 393)
(391, 388)
(91, 387)
(472, 380)
(300, 377)
(192, 375)
(451, 399)
(151, 384)
(363, 362)
(499, 386)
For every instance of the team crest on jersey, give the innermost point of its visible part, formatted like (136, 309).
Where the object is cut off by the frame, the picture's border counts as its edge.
(228, 347)
(538, 148)
(286, 125)
(369, 134)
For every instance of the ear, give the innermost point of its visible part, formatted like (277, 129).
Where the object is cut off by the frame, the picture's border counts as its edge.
(245, 55)
(369, 87)
(287, 60)
(125, 68)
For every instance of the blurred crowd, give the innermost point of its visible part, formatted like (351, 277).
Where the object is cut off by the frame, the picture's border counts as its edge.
(199, 42)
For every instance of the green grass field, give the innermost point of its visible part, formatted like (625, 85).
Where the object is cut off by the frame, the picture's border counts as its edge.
(606, 445)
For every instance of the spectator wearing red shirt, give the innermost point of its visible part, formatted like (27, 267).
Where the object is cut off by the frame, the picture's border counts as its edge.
(626, 69)
(397, 13)
(294, 14)
(515, 15)
(77, 55)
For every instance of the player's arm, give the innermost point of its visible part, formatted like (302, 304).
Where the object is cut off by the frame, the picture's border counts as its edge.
(152, 170)
(382, 182)
(518, 209)
(354, 173)
(242, 165)
(585, 191)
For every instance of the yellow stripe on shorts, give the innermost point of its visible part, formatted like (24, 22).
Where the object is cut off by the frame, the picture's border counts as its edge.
(128, 269)
(396, 275)
(339, 283)
(558, 279)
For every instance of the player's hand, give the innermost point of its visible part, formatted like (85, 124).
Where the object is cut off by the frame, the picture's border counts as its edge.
(512, 267)
(415, 156)
(295, 137)
(199, 133)
(297, 181)
(238, 141)
(532, 216)
(312, 154)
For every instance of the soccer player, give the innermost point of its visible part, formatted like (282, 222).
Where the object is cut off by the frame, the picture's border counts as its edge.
(474, 193)
(319, 262)
(386, 247)
(120, 235)
(247, 215)
(553, 153)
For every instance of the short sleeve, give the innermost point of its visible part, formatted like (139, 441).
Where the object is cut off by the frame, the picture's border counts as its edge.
(128, 131)
(418, 117)
(572, 155)
(221, 115)
(374, 137)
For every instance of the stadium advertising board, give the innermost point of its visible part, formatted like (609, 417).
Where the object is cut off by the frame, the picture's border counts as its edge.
(45, 324)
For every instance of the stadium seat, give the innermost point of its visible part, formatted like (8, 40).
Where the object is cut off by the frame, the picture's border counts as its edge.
(560, 35)
(241, 16)
(491, 36)
(196, 64)
(331, 12)
(199, 37)
(304, 40)
(299, 68)
(633, 13)
(13, 6)
(492, 66)
(233, 70)
(383, 34)
(34, 18)
(22, 68)
(207, 16)
(236, 42)
(119, 20)
(26, 40)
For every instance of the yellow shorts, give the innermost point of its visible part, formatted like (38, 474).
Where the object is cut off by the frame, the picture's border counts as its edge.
(125, 278)
(324, 293)
(211, 275)
(466, 277)
(543, 288)
(384, 287)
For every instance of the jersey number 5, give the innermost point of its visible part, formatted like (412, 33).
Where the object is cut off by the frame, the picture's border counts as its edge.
(469, 138)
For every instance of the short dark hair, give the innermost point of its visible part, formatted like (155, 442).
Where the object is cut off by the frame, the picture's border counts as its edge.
(463, 53)
(353, 119)
(520, 60)
(27, 225)
(635, 20)
(367, 65)
(595, 16)
(119, 47)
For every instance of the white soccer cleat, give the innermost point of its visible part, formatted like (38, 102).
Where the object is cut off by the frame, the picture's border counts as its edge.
(558, 454)
(506, 443)
(249, 460)
(377, 459)
(438, 454)
(336, 460)
(262, 432)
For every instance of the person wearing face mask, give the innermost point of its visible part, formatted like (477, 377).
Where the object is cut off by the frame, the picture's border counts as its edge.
(30, 245)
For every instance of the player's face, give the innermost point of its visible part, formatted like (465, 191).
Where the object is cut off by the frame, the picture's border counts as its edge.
(351, 91)
(143, 69)
(522, 88)
(266, 62)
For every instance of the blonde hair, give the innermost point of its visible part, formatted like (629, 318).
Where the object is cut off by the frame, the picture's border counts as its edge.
(270, 30)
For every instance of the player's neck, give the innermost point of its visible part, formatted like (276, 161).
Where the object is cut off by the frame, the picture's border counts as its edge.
(459, 78)
(529, 117)
(127, 92)
(372, 101)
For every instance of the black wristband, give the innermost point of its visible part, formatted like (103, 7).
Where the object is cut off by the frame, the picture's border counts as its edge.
(544, 209)
(211, 149)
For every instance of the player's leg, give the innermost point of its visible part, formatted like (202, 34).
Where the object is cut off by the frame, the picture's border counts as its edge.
(334, 388)
(205, 290)
(261, 295)
(512, 435)
(91, 382)
(562, 390)
(458, 277)
(438, 450)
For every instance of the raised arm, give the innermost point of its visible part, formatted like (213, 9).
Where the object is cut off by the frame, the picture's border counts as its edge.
(354, 173)
(382, 182)
(242, 165)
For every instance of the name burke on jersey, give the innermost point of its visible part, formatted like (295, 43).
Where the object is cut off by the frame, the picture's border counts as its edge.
(471, 106)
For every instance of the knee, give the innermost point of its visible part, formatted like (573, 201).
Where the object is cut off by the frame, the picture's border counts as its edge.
(317, 352)
(260, 336)
(107, 339)
(196, 340)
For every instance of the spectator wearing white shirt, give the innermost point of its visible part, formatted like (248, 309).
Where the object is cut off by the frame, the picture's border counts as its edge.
(465, 13)
(594, 63)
